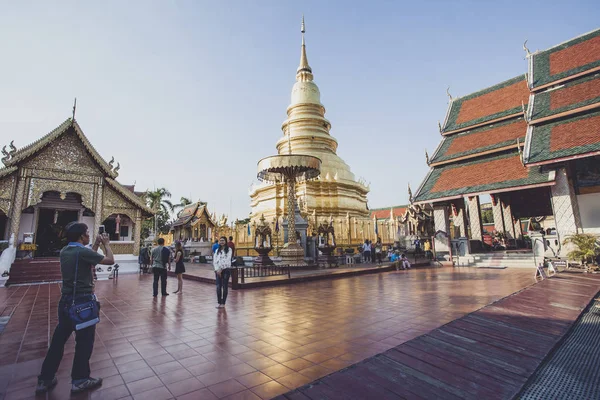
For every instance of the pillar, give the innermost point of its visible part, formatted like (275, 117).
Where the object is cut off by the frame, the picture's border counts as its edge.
(565, 207)
(497, 213)
(17, 207)
(518, 230)
(442, 223)
(461, 218)
(97, 210)
(475, 218)
(509, 227)
(137, 231)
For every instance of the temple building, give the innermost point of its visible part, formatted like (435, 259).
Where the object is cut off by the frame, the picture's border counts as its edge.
(61, 178)
(532, 143)
(336, 193)
(194, 223)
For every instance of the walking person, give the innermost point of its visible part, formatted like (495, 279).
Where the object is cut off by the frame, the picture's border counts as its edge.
(179, 266)
(222, 266)
(160, 261)
(76, 264)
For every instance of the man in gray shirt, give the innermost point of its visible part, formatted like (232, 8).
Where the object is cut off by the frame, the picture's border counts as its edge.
(160, 258)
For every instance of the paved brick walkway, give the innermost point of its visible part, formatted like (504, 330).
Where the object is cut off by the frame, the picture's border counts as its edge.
(267, 342)
(489, 354)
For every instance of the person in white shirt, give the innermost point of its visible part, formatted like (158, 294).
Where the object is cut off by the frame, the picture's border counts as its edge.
(367, 251)
(222, 265)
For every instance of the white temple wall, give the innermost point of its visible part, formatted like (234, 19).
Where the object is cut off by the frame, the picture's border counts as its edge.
(26, 225)
(91, 224)
(589, 210)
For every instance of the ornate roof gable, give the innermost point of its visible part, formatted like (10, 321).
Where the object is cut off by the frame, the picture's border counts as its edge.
(498, 102)
(129, 195)
(25, 152)
(575, 57)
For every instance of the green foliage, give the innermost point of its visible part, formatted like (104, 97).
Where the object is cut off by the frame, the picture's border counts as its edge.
(157, 200)
(487, 216)
(587, 247)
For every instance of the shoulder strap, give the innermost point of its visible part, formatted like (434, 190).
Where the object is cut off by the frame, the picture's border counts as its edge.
(76, 270)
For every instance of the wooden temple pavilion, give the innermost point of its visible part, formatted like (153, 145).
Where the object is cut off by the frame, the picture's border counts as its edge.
(532, 143)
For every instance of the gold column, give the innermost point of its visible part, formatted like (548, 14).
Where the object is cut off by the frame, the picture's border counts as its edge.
(137, 231)
(17, 207)
(98, 209)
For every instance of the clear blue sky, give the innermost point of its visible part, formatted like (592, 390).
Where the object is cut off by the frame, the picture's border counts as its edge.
(190, 95)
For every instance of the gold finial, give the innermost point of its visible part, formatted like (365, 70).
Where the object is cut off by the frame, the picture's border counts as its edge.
(304, 71)
(448, 92)
(427, 157)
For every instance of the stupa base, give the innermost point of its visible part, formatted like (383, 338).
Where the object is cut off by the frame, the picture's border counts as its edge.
(293, 255)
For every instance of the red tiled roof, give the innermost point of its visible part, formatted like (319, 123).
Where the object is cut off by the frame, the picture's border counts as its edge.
(586, 90)
(384, 213)
(575, 56)
(495, 171)
(577, 133)
(494, 102)
(488, 137)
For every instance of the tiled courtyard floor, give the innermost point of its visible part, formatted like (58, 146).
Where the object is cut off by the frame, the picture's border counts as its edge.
(265, 343)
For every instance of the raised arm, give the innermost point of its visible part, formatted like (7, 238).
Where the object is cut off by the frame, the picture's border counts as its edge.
(108, 259)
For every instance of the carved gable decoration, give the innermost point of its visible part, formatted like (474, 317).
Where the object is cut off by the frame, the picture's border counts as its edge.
(37, 188)
(116, 203)
(7, 185)
(66, 153)
(204, 217)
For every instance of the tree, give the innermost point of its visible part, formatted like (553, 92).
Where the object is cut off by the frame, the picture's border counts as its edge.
(157, 201)
(183, 202)
(487, 216)
(587, 247)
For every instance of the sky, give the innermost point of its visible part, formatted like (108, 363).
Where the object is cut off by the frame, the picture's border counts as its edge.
(189, 95)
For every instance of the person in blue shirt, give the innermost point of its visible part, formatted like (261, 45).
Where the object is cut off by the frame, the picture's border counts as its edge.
(215, 246)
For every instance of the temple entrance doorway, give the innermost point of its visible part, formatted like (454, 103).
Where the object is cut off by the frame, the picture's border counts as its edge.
(50, 231)
(44, 222)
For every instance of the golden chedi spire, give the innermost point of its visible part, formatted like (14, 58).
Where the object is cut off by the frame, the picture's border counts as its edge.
(304, 72)
(306, 131)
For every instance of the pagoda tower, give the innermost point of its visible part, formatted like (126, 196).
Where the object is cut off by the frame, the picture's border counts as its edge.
(336, 193)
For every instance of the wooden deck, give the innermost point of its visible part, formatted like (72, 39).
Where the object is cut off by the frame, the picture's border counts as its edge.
(488, 354)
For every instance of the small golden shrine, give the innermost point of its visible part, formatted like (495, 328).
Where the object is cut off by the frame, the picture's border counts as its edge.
(194, 223)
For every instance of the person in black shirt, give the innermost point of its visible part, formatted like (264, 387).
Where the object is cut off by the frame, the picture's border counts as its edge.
(75, 253)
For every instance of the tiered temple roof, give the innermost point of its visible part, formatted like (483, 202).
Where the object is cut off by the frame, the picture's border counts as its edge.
(565, 116)
(385, 213)
(554, 112)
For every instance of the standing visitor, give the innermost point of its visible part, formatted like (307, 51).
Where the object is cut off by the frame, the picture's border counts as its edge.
(179, 267)
(76, 264)
(231, 246)
(215, 246)
(160, 260)
(367, 251)
(379, 251)
(222, 266)
(427, 248)
(144, 258)
(417, 245)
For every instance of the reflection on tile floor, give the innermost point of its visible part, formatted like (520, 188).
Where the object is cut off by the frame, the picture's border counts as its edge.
(266, 342)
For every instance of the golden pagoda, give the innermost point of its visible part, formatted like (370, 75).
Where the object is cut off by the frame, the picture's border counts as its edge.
(336, 193)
